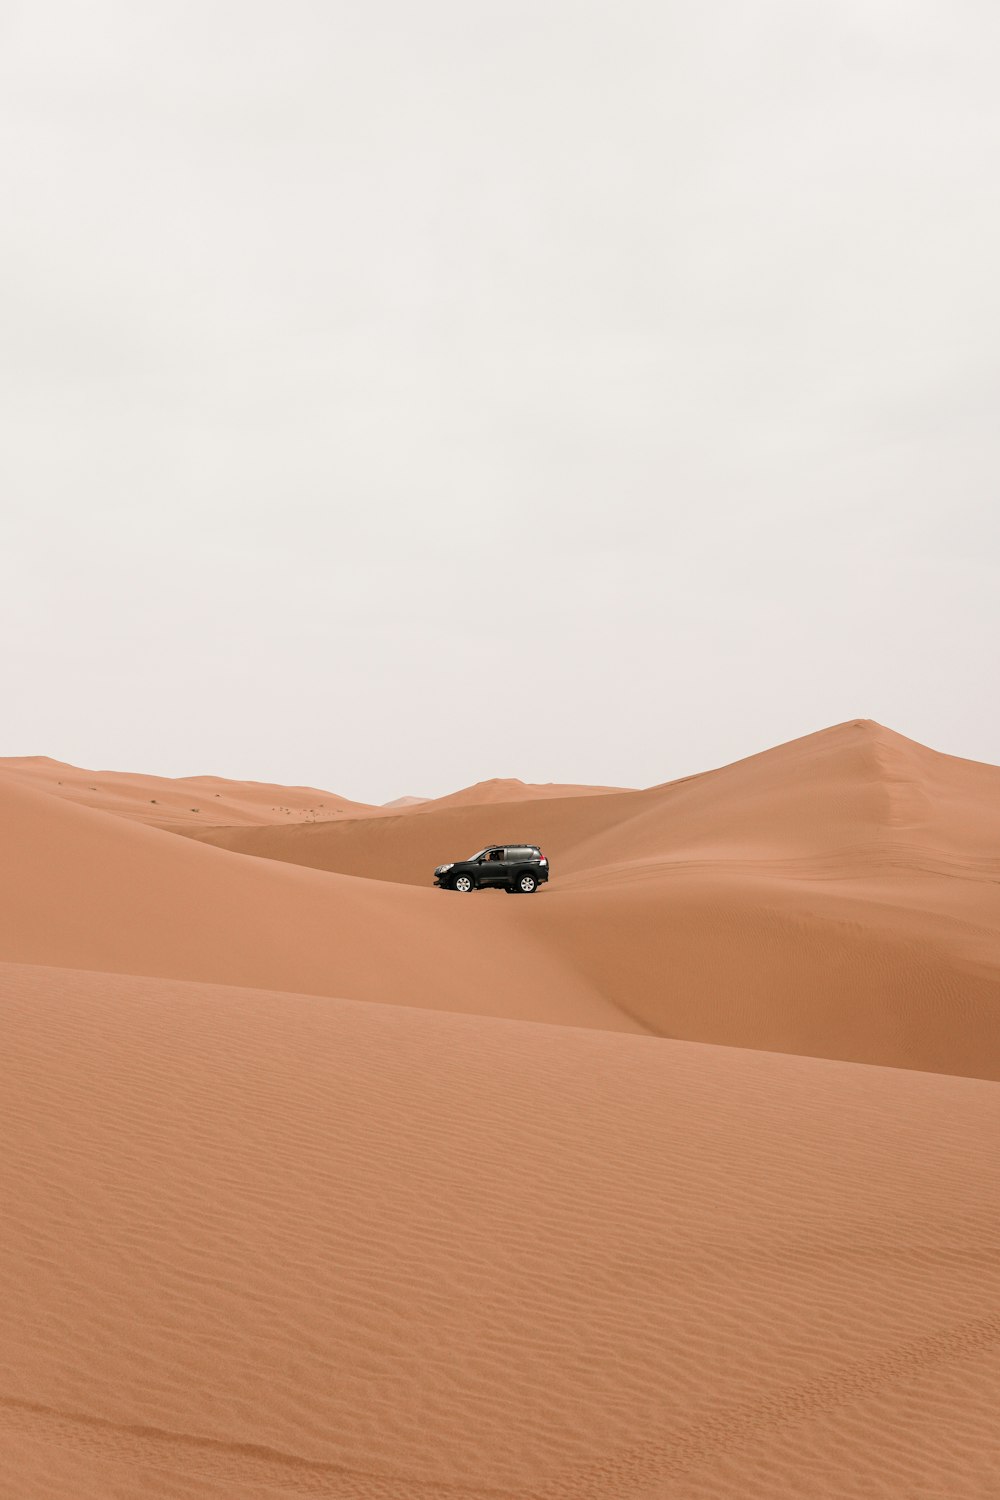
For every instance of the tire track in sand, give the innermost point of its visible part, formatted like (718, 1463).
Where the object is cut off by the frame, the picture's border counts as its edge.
(636, 1471)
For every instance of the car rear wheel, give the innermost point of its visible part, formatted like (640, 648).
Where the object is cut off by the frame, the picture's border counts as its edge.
(462, 883)
(526, 884)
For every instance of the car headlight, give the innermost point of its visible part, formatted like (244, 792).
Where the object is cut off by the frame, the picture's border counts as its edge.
(441, 868)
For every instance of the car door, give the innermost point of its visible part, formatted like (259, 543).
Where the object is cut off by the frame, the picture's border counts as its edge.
(494, 868)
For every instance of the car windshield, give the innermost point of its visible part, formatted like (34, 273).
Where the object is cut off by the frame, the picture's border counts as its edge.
(478, 854)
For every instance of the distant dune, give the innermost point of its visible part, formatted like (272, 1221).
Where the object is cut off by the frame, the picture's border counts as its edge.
(320, 1181)
(193, 802)
(488, 793)
(183, 800)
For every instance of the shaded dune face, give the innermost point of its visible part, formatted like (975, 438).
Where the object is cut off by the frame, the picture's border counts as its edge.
(837, 896)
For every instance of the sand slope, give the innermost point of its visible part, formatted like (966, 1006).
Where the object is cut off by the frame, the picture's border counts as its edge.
(87, 889)
(260, 1243)
(837, 896)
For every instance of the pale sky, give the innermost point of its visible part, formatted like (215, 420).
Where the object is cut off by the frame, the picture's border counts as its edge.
(398, 394)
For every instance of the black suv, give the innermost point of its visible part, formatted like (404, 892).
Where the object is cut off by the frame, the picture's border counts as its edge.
(514, 868)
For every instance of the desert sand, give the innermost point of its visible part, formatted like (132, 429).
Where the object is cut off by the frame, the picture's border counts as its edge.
(510, 789)
(838, 896)
(177, 801)
(189, 803)
(679, 1179)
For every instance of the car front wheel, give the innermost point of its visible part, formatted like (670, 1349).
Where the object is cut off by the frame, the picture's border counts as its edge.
(462, 883)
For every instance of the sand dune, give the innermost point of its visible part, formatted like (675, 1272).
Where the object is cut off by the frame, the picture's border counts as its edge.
(87, 889)
(261, 1243)
(319, 1184)
(857, 792)
(178, 801)
(500, 790)
(188, 803)
(405, 848)
(837, 896)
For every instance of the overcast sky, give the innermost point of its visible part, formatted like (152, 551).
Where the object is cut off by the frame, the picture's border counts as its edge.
(397, 394)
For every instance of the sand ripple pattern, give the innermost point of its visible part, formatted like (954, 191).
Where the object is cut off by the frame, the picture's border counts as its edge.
(262, 1243)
